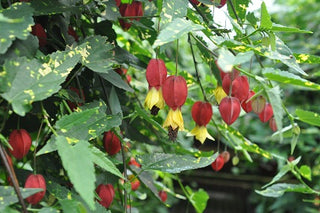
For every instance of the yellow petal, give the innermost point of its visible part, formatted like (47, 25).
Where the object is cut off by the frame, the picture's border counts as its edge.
(201, 133)
(174, 119)
(219, 94)
(154, 98)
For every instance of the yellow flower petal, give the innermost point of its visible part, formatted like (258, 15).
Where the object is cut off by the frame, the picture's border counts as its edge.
(174, 119)
(219, 94)
(154, 98)
(201, 133)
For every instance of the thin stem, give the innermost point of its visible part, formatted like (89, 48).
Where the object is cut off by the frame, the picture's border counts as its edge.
(196, 68)
(13, 178)
(296, 174)
(66, 106)
(35, 149)
(204, 46)
(46, 120)
(133, 17)
(235, 13)
(105, 94)
(177, 52)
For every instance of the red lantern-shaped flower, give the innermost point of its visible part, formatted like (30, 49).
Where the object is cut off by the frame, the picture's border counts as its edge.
(246, 104)
(258, 104)
(35, 181)
(156, 74)
(201, 114)
(226, 156)
(221, 3)
(266, 113)
(20, 141)
(240, 87)
(229, 109)
(111, 143)
(218, 163)
(118, 2)
(135, 182)
(195, 2)
(273, 124)
(134, 162)
(175, 93)
(73, 33)
(130, 10)
(38, 31)
(106, 194)
(163, 195)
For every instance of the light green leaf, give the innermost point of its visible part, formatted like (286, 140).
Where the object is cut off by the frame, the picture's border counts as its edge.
(175, 30)
(305, 172)
(284, 170)
(225, 60)
(266, 23)
(102, 160)
(280, 28)
(307, 59)
(9, 196)
(243, 57)
(308, 117)
(72, 206)
(288, 78)
(77, 161)
(198, 199)
(17, 22)
(171, 10)
(173, 163)
(277, 190)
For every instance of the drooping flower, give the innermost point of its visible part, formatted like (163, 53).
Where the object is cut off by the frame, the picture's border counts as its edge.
(156, 74)
(258, 104)
(106, 194)
(175, 93)
(229, 109)
(246, 104)
(219, 94)
(20, 141)
(111, 143)
(130, 10)
(201, 114)
(218, 163)
(163, 195)
(35, 181)
(39, 31)
(273, 124)
(240, 87)
(266, 113)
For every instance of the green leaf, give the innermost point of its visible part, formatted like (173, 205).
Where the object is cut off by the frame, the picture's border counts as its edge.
(280, 28)
(77, 161)
(305, 172)
(58, 191)
(240, 7)
(308, 117)
(8, 195)
(243, 57)
(277, 190)
(102, 160)
(47, 7)
(198, 199)
(266, 22)
(17, 24)
(284, 170)
(175, 30)
(26, 81)
(172, 10)
(307, 59)
(72, 206)
(48, 210)
(173, 163)
(115, 79)
(225, 60)
(288, 78)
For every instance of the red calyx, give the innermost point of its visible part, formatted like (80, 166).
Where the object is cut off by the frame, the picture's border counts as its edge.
(222, 3)
(195, 2)
(20, 141)
(229, 109)
(175, 91)
(246, 106)
(273, 125)
(258, 104)
(163, 195)
(73, 33)
(134, 162)
(128, 10)
(201, 113)
(118, 2)
(266, 113)
(218, 163)
(135, 184)
(106, 194)
(235, 73)
(38, 31)
(111, 143)
(156, 73)
(226, 156)
(35, 181)
(240, 87)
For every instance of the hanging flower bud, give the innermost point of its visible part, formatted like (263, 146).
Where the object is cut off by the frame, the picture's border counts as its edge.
(219, 94)
(240, 87)
(111, 143)
(218, 163)
(273, 124)
(38, 31)
(258, 104)
(35, 181)
(201, 114)
(20, 141)
(135, 183)
(266, 113)
(134, 162)
(106, 194)
(229, 109)
(130, 10)
(226, 156)
(246, 105)
(163, 195)
(175, 93)
(235, 73)
(156, 74)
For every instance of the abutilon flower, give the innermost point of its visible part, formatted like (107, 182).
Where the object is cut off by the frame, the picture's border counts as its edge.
(106, 194)
(35, 181)
(201, 114)
(258, 104)
(156, 74)
(195, 2)
(229, 109)
(240, 87)
(219, 94)
(273, 124)
(20, 141)
(246, 105)
(175, 93)
(111, 143)
(39, 31)
(163, 195)
(218, 163)
(130, 10)
(266, 113)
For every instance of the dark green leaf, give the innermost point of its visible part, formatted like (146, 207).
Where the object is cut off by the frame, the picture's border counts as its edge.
(240, 7)
(77, 160)
(48, 210)
(308, 117)
(115, 79)
(173, 163)
(277, 190)
(72, 206)
(58, 191)
(265, 18)
(46, 7)
(305, 172)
